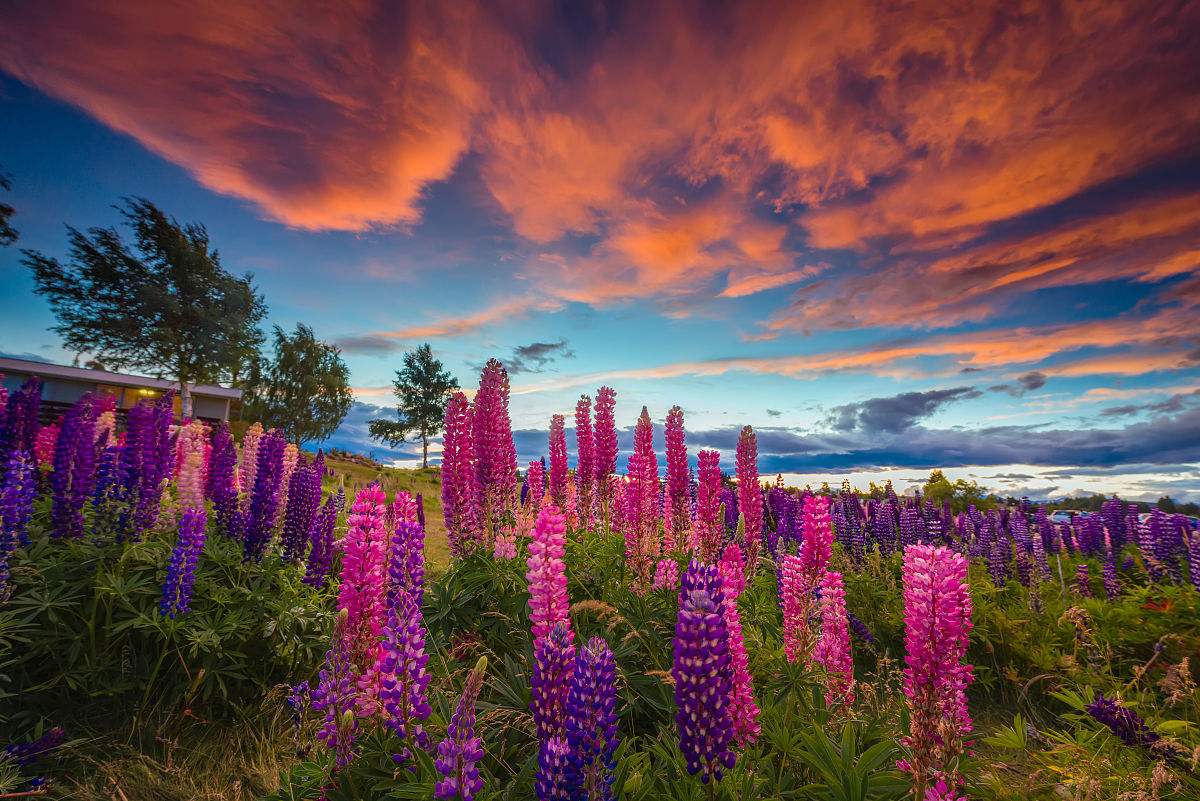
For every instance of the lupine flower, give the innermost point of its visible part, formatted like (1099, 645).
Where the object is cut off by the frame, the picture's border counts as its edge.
(558, 462)
(547, 575)
(404, 679)
(708, 509)
(460, 477)
(592, 723)
(495, 454)
(320, 535)
(604, 437)
(860, 629)
(192, 452)
(553, 667)
(181, 570)
(1112, 584)
(146, 459)
(303, 500)
(264, 502)
(249, 458)
(796, 598)
(943, 792)
(45, 443)
(406, 561)
(22, 755)
(750, 500)
(666, 575)
(535, 480)
(459, 754)
(998, 557)
(585, 466)
(743, 708)
(291, 458)
(832, 651)
(1193, 558)
(361, 595)
(334, 696)
(937, 622)
(641, 537)
(20, 421)
(1113, 512)
(703, 676)
(16, 507)
(221, 483)
(74, 476)
(554, 757)
(1122, 721)
(678, 479)
(1083, 579)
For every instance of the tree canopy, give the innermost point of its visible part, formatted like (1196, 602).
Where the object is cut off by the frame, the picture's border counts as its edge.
(303, 390)
(163, 305)
(8, 234)
(422, 387)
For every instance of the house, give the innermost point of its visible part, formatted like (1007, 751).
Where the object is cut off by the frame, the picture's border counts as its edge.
(63, 386)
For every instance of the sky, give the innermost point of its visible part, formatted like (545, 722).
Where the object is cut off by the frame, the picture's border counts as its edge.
(889, 237)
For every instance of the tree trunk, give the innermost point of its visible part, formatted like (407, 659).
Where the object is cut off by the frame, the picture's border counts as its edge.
(424, 452)
(185, 400)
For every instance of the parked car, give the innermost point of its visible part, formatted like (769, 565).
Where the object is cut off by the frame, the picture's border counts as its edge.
(1063, 515)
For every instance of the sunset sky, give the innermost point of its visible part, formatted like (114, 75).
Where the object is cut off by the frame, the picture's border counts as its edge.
(888, 236)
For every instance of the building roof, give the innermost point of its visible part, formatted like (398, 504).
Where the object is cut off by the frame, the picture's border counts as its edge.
(87, 375)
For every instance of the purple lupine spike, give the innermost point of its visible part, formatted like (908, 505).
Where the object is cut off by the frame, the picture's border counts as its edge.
(320, 535)
(20, 420)
(1112, 584)
(406, 560)
(1166, 544)
(303, 500)
(22, 755)
(860, 629)
(1113, 512)
(703, 676)
(592, 723)
(145, 462)
(421, 510)
(551, 781)
(459, 754)
(883, 527)
(334, 696)
(553, 666)
(264, 502)
(405, 680)
(16, 507)
(1083, 580)
(1122, 721)
(181, 570)
(221, 483)
(73, 479)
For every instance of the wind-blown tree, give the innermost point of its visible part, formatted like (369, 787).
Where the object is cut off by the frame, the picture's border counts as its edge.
(303, 390)
(8, 234)
(164, 305)
(422, 388)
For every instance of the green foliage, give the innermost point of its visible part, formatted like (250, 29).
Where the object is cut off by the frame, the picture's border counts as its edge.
(8, 234)
(304, 390)
(422, 388)
(166, 305)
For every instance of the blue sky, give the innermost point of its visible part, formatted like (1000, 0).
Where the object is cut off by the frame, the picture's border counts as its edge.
(887, 244)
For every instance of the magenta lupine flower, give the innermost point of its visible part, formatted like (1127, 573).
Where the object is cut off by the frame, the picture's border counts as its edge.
(832, 651)
(942, 792)
(221, 483)
(553, 668)
(404, 680)
(334, 696)
(605, 442)
(817, 546)
(547, 575)
(73, 479)
(796, 598)
(264, 501)
(585, 467)
(678, 480)
(592, 723)
(460, 478)
(181, 570)
(558, 462)
(937, 624)
(535, 480)
(361, 595)
(17, 493)
(641, 510)
(495, 454)
(320, 536)
(709, 526)
(750, 500)
(703, 676)
(459, 754)
(666, 575)
(45, 443)
(743, 707)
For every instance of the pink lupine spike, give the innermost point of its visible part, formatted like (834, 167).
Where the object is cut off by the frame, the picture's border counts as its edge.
(585, 467)
(750, 501)
(833, 649)
(605, 449)
(495, 453)
(709, 527)
(558, 461)
(678, 481)
(535, 480)
(547, 574)
(460, 477)
(742, 704)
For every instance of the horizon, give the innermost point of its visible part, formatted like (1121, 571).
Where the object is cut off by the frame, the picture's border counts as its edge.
(890, 244)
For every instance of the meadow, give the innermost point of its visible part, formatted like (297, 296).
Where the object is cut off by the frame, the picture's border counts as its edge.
(190, 612)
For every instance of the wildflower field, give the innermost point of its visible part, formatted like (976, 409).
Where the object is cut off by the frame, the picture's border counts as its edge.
(190, 612)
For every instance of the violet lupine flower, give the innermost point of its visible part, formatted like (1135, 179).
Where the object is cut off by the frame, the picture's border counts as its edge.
(1166, 544)
(320, 535)
(20, 420)
(73, 480)
(547, 575)
(460, 478)
(678, 479)
(496, 456)
(709, 528)
(1113, 512)
(1083, 579)
(22, 755)
(406, 561)
(264, 503)
(998, 557)
(883, 527)
(553, 668)
(666, 575)
(832, 651)
(1112, 584)
(181, 569)
(703, 676)
(459, 754)
(16, 507)
(404, 679)
(146, 459)
(585, 467)
(535, 480)
(334, 696)
(361, 595)
(554, 760)
(303, 500)
(110, 512)
(1122, 721)
(730, 505)
(937, 624)
(604, 437)
(558, 462)
(743, 708)
(750, 500)
(221, 483)
(860, 629)
(592, 723)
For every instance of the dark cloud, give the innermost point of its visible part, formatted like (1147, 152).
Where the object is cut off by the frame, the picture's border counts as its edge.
(1024, 383)
(369, 344)
(1176, 403)
(774, 413)
(537, 356)
(896, 413)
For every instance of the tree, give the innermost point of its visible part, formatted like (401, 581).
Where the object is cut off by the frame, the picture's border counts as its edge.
(166, 306)
(422, 388)
(304, 390)
(8, 234)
